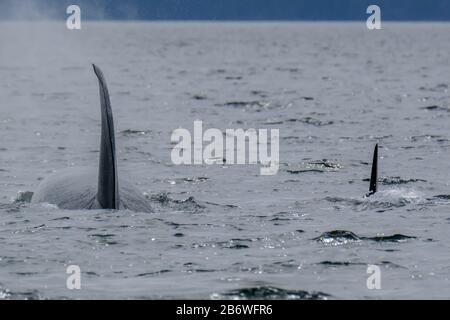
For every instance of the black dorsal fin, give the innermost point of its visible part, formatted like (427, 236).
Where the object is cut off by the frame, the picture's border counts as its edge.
(108, 184)
(374, 175)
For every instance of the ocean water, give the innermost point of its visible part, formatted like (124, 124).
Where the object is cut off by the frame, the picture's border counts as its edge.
(224, 231)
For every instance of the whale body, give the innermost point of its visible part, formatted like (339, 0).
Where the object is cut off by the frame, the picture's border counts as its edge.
(90, 188)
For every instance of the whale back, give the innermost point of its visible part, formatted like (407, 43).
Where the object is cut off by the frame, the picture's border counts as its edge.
(75, 188)
(68, 189)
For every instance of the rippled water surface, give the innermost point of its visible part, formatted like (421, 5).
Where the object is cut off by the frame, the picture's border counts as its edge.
(333, 90)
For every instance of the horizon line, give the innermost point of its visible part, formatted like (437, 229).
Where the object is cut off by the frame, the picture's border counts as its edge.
(39, 19)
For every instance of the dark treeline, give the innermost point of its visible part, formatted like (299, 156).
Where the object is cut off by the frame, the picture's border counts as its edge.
(425, 10)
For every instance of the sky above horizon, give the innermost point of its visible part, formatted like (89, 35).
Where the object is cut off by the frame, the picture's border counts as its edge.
(409, 10)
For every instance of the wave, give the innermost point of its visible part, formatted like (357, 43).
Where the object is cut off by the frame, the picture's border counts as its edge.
(271, 293)
(6, 294)
(341, 237)
(319, 166)
(382, 200)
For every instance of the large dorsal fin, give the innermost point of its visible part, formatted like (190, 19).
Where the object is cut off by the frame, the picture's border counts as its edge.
(108, 184)
(374, 174)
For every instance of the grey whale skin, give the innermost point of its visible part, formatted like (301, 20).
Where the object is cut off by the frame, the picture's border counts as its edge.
(87, 188)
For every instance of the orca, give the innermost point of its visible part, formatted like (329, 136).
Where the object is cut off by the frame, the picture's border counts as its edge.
(91, 188)
(373, 186)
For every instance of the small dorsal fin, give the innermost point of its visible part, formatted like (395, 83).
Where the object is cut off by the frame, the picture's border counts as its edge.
(108, 184)
(374, 174)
